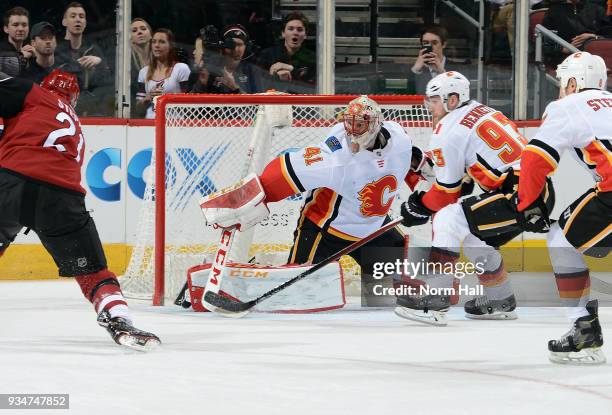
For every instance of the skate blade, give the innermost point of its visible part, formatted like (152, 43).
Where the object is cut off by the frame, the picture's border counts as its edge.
(506, 315)
(432, 318)
(138, 343)
(590, 356)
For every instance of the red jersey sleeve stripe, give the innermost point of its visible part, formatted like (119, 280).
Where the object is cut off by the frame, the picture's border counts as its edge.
(535, 168)
(276, 182)
(437, 197)
(485, 178)
(546, 151)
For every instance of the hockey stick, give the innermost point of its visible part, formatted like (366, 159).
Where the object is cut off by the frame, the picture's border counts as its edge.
(218, 267)
(233, 308)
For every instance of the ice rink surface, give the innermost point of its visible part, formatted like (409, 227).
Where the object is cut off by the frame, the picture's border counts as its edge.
(350, 361)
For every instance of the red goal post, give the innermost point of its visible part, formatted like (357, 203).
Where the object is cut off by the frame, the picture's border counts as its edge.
(207, 142)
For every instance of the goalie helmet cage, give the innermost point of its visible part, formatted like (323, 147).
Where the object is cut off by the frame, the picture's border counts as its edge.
(208, 142)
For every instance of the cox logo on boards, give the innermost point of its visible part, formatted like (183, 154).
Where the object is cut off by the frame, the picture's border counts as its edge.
(194, 170)
(190, 175)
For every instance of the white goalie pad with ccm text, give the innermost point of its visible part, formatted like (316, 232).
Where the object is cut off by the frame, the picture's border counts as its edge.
(321, 291)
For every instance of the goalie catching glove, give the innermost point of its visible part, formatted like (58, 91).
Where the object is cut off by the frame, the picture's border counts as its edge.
(241, 205)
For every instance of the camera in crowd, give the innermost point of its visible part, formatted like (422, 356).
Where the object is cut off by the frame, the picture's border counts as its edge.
(214, 40)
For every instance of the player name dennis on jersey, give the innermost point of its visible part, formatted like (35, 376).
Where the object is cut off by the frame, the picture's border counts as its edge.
(473, 116)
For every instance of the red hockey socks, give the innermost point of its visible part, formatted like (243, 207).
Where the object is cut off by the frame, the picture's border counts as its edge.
(103, 291)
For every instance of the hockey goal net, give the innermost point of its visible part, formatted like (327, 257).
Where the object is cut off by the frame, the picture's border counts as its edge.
(208, 142)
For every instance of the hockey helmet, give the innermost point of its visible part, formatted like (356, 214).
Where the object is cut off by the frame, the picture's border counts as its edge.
(64, 84)
(446, 84)
(588, 70)
(362, 121)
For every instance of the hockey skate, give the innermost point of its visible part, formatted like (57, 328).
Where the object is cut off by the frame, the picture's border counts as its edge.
(124, 334)
(484, 308)
(427, 309)
(582, 344)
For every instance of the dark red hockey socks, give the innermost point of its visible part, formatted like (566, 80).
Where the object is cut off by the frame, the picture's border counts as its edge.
(103, 291)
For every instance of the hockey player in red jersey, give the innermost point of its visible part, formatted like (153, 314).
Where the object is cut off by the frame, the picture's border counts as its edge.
(41, 153)
(580, 122)
(468, 138)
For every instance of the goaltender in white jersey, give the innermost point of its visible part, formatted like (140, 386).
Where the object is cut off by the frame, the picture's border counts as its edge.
(352, 179)
(349, 194)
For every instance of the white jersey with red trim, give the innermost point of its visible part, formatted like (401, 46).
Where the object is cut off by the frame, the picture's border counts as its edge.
(351, 194)
(580, 122)
(476, 139)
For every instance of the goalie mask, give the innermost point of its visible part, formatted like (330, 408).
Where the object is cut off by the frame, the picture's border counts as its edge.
(446, 84)
(362, 121)
(64, 84)
(588, 70)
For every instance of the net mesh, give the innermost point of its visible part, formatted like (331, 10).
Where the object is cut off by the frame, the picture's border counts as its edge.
(207, 149)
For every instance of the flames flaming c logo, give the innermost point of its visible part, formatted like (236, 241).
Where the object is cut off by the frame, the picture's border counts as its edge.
(371, 196)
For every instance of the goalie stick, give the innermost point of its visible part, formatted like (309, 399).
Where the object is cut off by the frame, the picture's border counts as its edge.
(232, 308)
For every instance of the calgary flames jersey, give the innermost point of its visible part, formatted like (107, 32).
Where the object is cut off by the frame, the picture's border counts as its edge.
(473, 139)
(349, 194)
(581, 123)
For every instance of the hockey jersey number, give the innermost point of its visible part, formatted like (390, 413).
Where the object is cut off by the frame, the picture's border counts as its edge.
(493, 133)
(55, 135)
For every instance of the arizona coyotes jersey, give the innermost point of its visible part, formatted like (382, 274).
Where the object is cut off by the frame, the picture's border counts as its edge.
(42, 134)
(581, 123)
(473, 139)
(350, 194)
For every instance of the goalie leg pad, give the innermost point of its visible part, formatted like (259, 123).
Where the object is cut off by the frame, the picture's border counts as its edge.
(320, 291)
(241, 205)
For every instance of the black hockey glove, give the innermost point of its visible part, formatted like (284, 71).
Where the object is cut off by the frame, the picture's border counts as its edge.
(414, 212)
(467, 186)
(533, 219)
(418, 159)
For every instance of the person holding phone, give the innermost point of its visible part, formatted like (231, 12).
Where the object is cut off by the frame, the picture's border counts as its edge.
(431, 60)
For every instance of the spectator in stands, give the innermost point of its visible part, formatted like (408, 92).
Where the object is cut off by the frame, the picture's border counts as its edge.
(290, 60)
(233, 74)
(431, 60)
(43, 61)
(575, 21)
(84, 59)
(141, 44)
(503, 19)
(15, 51)
(141, 53)
(200, 75)
(164, 75)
